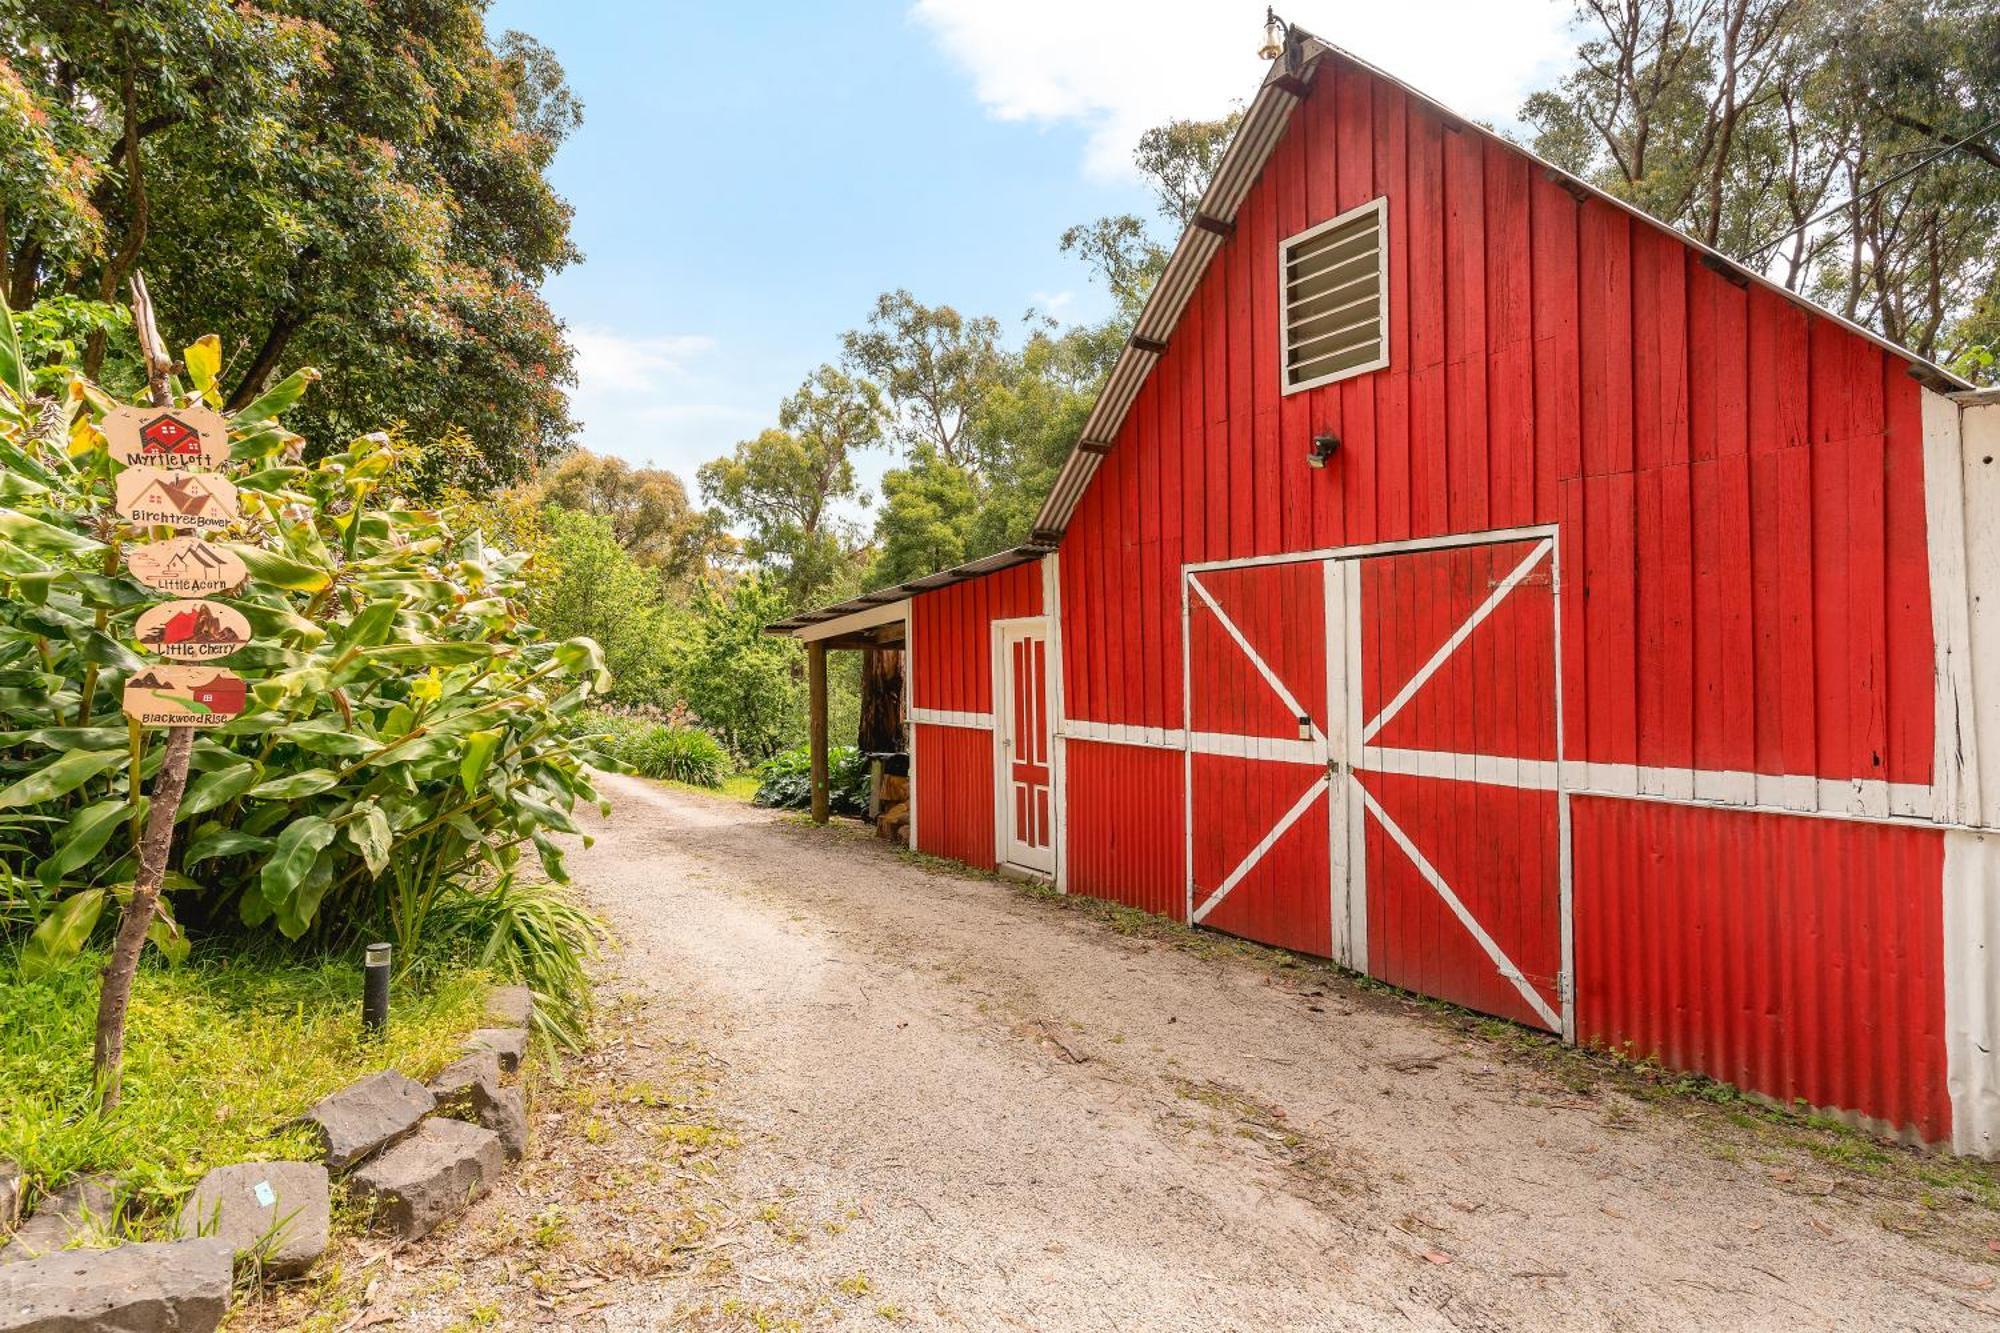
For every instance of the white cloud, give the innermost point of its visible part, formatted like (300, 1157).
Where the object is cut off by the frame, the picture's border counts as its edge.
(1119, 67)
(1053, 303)
(611, 362)
(648, 399)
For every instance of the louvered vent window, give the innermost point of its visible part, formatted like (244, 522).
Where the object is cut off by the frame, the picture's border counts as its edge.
(1336, 299)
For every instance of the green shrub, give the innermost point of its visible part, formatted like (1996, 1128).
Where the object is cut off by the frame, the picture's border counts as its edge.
(680, 754)
(785, 781)
(403, 737)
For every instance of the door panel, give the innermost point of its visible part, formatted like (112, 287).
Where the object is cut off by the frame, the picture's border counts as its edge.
(1457, 772)
(1258, 720)
(1373, 767)
(1027, 798)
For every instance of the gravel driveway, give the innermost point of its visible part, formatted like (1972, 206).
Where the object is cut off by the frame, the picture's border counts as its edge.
(964, 1106)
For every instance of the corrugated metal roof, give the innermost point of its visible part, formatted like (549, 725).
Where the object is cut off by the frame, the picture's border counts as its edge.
(944, 578)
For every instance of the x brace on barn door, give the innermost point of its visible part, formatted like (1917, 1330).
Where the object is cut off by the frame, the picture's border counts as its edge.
(1350, 750)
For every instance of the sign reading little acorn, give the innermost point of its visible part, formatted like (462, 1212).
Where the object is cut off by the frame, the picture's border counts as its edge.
(186, 565)
(180, 438)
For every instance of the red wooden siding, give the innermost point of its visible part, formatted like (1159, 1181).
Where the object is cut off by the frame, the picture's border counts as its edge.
(1800, 957)
(1737, 492)
(1739, 486)
(1124, 826)
(954, 793)
(951, 641)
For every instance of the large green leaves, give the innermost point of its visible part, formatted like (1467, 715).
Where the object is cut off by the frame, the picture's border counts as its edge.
(370, 834)
(287, 868)
(45, 539)
(58, 778)
(62, 933)
(84, 837)
(218, 788)
(403, 714)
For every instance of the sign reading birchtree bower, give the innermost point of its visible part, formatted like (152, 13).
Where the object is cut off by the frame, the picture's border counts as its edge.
(399, 734)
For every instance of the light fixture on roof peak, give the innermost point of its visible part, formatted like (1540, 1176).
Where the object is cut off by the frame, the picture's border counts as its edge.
(1274, 36)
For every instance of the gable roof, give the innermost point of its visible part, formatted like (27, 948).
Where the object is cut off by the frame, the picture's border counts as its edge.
(1285, 85)
(1264, 122)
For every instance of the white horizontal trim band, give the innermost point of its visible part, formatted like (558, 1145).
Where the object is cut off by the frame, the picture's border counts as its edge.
(1282, 749)
(945, 717)
(1859, 798)
(1492, 769)
(1119, 733)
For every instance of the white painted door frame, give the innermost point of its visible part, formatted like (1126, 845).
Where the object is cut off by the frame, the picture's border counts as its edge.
(1007, 849)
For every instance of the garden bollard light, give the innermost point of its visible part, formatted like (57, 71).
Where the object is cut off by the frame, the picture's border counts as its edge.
(375, 989)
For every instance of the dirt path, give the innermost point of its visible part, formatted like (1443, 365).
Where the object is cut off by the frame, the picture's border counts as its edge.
(951, 1103)
(1021, 1118)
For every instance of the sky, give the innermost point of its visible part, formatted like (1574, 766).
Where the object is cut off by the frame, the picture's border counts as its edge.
(749, 177)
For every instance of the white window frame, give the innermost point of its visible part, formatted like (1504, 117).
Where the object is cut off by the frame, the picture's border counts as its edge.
(1379, 206)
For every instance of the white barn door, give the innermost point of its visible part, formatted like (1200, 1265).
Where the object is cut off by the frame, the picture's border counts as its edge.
(1025, 806)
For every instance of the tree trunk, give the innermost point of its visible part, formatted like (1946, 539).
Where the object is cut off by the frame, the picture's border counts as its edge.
(157, 841)
(135, 229)
(261, 365)
(108, 1059)
(881, 701)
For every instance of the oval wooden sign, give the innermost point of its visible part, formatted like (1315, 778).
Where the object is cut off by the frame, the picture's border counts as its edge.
(184, 696)
(200, 500)
(186, 565)
(196, 631)
(180, 438)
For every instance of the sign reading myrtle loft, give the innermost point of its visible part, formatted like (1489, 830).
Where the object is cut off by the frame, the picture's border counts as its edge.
(178, 438)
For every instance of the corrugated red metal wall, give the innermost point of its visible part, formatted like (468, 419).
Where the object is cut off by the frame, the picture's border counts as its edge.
(1740, 486)
(950, 657)
(1800, 957)
(954, 793)
(951, 637)
(1124, 826)
(1738, 491)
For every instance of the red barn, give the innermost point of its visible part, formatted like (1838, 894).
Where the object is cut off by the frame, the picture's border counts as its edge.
(1468, 579)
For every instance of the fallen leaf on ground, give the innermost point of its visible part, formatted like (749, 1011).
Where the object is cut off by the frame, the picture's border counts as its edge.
(1437, 1256)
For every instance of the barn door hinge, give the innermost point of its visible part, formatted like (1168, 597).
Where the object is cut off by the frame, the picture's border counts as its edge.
(1565, 989)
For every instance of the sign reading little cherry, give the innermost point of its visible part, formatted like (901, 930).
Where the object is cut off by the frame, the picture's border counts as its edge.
(192, 631)
(179, 438)
(200, 500)
(184, 696)
(186, 565)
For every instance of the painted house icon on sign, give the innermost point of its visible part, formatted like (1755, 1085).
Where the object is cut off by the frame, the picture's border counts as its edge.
(169, 437)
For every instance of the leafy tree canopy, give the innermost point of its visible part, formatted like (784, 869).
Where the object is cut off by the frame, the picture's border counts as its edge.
(1794, 134)
(357, 185)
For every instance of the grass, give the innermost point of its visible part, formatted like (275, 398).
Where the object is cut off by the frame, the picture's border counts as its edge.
(222, 1054)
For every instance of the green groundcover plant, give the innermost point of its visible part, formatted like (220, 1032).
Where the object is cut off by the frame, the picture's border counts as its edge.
(785, 780)
(401, 749)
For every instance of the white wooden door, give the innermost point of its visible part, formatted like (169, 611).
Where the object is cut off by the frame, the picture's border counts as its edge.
(1025, 808)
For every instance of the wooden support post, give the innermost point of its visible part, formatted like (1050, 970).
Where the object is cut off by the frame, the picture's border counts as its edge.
(816, 726)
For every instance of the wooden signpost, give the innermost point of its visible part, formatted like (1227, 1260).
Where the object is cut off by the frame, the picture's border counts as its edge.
(169, 497)
(186, 566)
(180, 438)
(192, 631)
